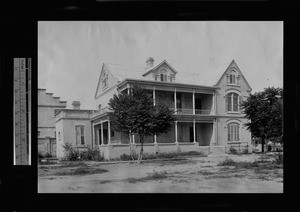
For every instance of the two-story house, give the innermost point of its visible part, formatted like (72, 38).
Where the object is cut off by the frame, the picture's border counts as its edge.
(209, 118)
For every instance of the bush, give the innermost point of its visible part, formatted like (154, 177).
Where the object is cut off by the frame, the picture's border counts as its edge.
(233, 151)
(48, 155)
(125, 157)
(70, 153)
(227, 162)
(91, 154)
(40, 155)
(279, 159)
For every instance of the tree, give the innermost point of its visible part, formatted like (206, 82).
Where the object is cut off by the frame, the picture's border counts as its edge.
(264, 109)
(135, 113)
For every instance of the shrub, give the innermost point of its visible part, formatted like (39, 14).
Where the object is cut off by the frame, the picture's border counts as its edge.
(279, 159)
(40, 155)
(125, 157)
(233, 150)
(227, 162)
(48, 155)
(70, 153)
(91, 154)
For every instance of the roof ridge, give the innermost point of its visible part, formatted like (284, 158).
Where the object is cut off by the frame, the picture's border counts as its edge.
(125, 65)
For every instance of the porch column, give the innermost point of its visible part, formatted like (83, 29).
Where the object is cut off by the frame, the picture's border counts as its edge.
(154, 95)
(176, 141)
(133, 140)
(214, 133)
(175, 104)
(214, 105)
(193, 101)
(154, 105)
(108, 130)
(194, 130)
(93, 134)
(102, 141)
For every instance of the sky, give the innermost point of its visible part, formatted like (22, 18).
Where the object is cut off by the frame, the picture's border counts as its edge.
(71, 53)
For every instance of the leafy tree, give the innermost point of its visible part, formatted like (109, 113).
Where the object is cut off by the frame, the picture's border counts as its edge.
(264, 109)
(135, 113)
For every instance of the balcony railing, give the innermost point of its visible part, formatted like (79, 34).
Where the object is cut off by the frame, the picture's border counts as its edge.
(181, 111)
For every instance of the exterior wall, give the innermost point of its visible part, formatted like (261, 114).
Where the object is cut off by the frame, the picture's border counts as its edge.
(244, 134)
(60, 139)
(104, 99)
(47, 104)
(65, 125)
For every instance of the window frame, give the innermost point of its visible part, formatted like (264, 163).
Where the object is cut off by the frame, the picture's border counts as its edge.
(232, 101)
(80, 138)
(233, 132)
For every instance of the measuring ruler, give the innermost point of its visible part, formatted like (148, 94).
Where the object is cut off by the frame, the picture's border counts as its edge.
(22, 111)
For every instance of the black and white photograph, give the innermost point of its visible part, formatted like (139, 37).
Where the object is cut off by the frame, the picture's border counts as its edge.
(160, 106)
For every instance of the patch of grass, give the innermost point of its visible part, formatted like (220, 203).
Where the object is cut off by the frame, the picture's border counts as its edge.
(72, 164)
(153, 176)
(227, 162)
(205, 172)
(105, 181)
(81, 171)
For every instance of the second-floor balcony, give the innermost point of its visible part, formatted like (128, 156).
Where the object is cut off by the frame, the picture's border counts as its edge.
(180, 111)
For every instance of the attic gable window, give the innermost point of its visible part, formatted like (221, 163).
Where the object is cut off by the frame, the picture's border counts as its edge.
(233, 78)
(104, 80)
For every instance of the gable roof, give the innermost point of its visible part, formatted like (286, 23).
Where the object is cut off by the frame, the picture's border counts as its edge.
(120, 72)
(210, 78)
(155, 67)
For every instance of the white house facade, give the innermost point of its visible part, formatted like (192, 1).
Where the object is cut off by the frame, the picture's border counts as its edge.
(209, 117)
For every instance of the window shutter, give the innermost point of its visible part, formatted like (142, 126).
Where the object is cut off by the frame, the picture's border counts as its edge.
(226, 102)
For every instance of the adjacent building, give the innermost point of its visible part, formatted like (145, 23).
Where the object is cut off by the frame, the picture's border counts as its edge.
(209, 117)
(47, 106)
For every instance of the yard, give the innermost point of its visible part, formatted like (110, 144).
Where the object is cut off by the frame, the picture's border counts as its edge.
(251, 173)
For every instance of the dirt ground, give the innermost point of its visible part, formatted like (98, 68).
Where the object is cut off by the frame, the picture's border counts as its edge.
(184, 175)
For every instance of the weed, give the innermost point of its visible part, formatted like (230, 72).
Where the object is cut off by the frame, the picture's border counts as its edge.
(227, 162)
(205, 172)
(153, 176)
(81, 171)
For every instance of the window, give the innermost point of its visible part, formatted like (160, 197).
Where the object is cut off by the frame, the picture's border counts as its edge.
(79, 135)
(161, 77)
(39, 133)
(232, 102)
(233, 132)
(232, 77)
(104, 81)
(59, 135)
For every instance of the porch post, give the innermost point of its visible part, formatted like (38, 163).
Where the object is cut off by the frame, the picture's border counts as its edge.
(193, 101)
(214, 133)
(102, 141)
(133, 140)
(175, 104)
(108, 130)
(176, 141)
(194, 130)
(154, 95)
(93, 134)
(214, 107)
(154, 105)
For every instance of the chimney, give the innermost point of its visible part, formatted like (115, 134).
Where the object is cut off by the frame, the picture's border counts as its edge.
(149, 62)
(76, 105)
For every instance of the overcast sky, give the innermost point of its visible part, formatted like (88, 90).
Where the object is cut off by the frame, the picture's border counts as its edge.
(71, 54)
